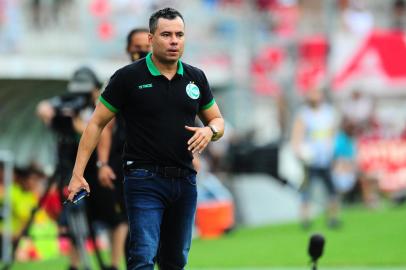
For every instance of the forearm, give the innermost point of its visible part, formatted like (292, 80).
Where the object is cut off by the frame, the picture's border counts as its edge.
(88, 142)
(297, 136)
(104, 146)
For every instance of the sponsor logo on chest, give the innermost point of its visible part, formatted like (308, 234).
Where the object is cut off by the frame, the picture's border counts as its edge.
(143, 86)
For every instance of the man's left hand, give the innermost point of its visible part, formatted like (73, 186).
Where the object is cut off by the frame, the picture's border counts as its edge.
(200, 139)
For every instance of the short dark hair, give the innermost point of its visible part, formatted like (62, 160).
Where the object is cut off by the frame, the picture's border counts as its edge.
(399, 4)
(134, 32)
(166, 13)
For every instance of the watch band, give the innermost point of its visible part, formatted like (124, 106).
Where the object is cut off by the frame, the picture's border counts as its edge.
(214, 130)
(100, 164)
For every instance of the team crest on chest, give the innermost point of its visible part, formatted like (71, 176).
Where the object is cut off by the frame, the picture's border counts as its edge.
(192, 90)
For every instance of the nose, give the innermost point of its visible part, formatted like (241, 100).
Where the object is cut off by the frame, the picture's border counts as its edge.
(174, 40)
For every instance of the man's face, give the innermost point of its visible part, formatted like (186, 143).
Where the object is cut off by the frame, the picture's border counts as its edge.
(168, 41)
(139, 46)
(315, 97)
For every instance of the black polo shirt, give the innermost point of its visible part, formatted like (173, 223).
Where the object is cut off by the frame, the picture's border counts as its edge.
(156, 110)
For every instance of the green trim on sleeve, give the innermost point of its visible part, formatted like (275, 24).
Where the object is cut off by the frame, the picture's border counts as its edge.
(208, 105)
(108, 105)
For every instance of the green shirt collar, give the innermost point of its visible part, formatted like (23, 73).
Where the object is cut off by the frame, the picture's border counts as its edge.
(154, 70)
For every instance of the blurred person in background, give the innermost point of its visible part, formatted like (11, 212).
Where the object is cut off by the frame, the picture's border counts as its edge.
(48, 13)
(138, 45)
(345, 170)
(67, 116)
(10, 25)
(109, 193)
(359, 110)
(359, 113)
(398, 17)
(36, 13)
(357, 18)
(26, 190)
(2, 190)
(159, 97)
(313, 137)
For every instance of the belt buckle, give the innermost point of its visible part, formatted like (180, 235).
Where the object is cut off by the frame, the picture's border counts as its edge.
(171, 172)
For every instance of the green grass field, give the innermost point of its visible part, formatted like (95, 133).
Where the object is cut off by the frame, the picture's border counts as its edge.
(369, 239)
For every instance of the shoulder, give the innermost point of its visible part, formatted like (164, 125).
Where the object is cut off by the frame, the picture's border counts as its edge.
(193, 71)
(130, 69)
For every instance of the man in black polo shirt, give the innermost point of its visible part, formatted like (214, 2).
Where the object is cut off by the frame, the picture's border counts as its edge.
(159, 97)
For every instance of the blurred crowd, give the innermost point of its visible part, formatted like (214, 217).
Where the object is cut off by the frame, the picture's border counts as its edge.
(105, 20)
(28, 185)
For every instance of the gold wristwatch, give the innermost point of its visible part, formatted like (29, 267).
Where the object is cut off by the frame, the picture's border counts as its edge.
(214, 130)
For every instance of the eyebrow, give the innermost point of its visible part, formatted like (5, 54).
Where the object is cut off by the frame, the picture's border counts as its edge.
(170, 32)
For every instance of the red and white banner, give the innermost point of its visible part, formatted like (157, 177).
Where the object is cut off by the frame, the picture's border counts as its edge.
(379, 60)
(386, 159)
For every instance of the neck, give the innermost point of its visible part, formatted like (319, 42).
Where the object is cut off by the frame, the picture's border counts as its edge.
(166, 68)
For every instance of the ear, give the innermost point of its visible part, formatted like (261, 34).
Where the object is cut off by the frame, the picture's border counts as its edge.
(150, 36)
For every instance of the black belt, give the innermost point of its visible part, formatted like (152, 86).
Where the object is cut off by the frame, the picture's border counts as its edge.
(165, 171)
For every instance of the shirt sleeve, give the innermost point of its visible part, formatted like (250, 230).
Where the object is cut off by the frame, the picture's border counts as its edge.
(207, 99)
(114, 94)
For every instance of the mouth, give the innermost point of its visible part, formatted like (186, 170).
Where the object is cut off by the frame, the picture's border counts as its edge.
(173, 51)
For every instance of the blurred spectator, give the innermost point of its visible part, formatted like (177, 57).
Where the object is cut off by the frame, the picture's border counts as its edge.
(279, 16)
(36, 13)
(264, 4)
(60, 8)
(1, 175)
(369, 189)
(212, 4)
(313, 143)
(357, 18)
(345, 168)
(10, 26)
(2, 11)
(403, 134)
(359, 110)
(25, 192)
(1, 191)
(283, 115)
(1, 206)
(67, 115)
(236, 3)
(49, 13)
(398, 18)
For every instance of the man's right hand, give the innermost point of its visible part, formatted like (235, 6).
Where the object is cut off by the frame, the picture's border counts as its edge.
(106, 176)
(76, 184)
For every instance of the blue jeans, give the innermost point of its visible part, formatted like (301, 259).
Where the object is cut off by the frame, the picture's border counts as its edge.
(161, 215)
(313, 174)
